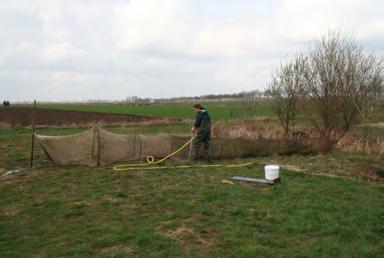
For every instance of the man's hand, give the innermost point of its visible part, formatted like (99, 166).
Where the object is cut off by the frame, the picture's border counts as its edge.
(193, 130)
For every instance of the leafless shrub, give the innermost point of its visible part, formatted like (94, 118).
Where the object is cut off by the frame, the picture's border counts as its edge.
(339, 84)
(285, 89)
(337, 75)
(369, 96)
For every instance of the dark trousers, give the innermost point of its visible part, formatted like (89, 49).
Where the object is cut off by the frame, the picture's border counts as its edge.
(202, 137)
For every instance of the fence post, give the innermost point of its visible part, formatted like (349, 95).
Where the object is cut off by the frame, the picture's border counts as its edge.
(98, 146)
(33, 132)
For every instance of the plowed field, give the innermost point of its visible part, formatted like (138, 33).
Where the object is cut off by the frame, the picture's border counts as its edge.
(21, 116)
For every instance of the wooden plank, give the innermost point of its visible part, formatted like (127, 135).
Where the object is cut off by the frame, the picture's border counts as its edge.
(255, 180)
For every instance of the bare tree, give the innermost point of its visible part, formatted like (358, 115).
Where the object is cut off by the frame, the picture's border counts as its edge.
(337, 74)
(285, 89)
(369, 94)
(338, 82)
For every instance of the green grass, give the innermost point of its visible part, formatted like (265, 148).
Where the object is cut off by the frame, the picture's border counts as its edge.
(218, 110)
(82, 212)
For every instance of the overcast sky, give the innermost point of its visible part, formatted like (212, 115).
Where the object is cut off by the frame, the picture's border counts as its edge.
(98, 49)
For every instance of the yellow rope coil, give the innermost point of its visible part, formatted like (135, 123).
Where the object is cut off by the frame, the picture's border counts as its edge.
(151, 161)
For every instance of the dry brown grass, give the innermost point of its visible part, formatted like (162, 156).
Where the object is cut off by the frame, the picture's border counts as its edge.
(246, 129)
(253, 129)
(111, 250)
(360, 145)
(189, 237)
(5, 125)
(185, 235)
(378, 125)
(10, 211)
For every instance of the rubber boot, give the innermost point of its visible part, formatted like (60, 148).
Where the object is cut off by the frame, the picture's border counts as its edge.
(208, 155)
(196, 155)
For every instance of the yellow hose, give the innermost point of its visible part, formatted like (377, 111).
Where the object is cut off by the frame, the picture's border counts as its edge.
(151, 161)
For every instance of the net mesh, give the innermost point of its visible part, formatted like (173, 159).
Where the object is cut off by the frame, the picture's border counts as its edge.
(158, 145)
(98, 146)
(115, 147)
(75, 149)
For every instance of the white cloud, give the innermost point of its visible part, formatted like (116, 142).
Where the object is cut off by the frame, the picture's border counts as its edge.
(57, 40)
(160, 48)
(150, 23)
(373, 28)
(60, 51)
(230, 40)
(21, 49)
(54, 26)
(305, 20)
(16, 4)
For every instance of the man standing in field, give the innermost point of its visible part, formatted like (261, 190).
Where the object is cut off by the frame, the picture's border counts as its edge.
(202, 129)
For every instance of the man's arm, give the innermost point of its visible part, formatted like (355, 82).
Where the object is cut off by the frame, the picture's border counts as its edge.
(198, 120)
(197, 123)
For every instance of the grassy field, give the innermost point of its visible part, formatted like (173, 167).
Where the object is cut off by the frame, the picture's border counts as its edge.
(218, 110)
(83, 212)
(326, 206)
(52, 211)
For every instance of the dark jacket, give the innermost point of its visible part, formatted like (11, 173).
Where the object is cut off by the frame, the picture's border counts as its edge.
(202, 120)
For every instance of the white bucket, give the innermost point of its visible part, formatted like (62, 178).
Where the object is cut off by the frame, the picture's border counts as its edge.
(271, 172)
